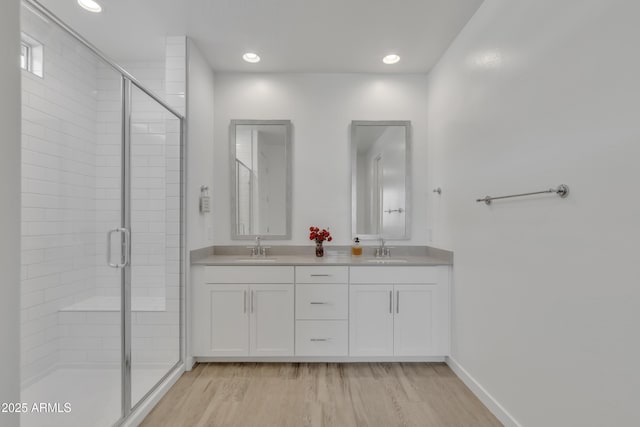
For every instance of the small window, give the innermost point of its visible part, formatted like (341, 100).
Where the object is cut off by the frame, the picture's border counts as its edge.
(25, 55)
(31, 55)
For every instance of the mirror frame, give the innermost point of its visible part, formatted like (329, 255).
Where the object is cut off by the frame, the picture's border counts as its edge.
(354, 183)
(232, 161)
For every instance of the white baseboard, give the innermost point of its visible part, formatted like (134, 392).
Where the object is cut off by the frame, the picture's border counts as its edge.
(489, 401)
(138, 415)
(190, 363)
(320, 359)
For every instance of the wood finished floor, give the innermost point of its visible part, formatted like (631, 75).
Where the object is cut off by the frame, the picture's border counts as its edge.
(320, 394)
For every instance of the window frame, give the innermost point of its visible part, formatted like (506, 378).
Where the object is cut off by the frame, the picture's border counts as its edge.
(33, 53)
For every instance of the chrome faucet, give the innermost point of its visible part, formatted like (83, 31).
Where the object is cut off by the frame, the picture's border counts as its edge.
(383, 251)
(258, 250)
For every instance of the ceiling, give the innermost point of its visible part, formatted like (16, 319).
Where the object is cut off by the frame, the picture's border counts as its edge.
(289, 35)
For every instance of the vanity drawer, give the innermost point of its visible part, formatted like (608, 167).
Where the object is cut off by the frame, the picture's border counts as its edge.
(322, 301)
(244, 274)
(391, 274)
(322, 274)
(322, 338)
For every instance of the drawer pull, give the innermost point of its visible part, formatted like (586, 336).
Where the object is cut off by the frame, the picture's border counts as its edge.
(320, 275)
(318, 303)
(319, 339)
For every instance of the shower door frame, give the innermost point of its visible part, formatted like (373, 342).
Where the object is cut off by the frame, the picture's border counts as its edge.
(127, 83)
(127, 407)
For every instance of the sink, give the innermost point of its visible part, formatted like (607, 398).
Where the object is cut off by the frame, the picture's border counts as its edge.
(259, 260)
(388, 261)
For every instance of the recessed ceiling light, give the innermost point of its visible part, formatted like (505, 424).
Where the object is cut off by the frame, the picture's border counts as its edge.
(90, 5)
(391, 59)
(251, 57)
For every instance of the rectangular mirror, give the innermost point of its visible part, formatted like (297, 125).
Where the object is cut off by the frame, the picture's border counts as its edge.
(380, 179)
(260, 165)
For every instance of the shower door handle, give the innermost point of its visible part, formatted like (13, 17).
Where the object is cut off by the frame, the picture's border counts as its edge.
(125, 247)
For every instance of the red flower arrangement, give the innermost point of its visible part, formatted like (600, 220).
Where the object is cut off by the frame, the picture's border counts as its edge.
(319, 235)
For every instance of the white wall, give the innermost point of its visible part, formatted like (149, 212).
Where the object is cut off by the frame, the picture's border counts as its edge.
(200, 126)
(321, 108)
(533, 94)
(199, 151)
(10, 209)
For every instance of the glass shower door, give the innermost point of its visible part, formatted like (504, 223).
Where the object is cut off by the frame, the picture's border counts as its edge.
(101, 232)
(155, 218)
(71, 326)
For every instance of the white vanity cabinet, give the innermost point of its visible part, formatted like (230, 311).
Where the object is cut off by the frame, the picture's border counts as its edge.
(243, 311)
(321, 313)
(399, 311)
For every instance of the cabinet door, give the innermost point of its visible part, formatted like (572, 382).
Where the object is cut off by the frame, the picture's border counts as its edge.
(414, 320)
(371, 320)
(228, 320)
(272, 322)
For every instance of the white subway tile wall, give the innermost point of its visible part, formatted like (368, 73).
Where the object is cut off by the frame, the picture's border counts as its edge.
(58, 191)
(176, 72)
(165, 347)
(71, 196)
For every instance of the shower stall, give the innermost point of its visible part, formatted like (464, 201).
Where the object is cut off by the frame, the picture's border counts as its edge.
(102, 231)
